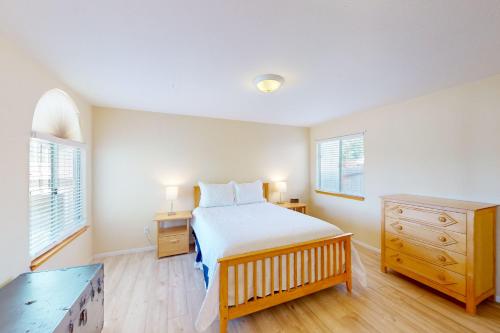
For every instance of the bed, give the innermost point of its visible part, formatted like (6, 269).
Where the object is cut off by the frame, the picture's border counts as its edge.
(255, 256)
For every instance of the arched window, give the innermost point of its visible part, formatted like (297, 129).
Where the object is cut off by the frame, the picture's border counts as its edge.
(56, 114)
(56, 190)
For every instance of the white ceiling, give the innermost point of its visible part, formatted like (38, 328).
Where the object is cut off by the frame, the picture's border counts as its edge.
(199, 57)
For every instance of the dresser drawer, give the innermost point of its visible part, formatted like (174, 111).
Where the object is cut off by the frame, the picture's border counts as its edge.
(449, 240)
(428, 272)
(174, 244)
(436, 218)
(450, 260)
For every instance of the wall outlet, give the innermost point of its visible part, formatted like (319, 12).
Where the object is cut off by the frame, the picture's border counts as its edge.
(146, 230)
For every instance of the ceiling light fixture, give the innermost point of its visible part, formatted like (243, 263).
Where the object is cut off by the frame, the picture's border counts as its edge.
(268, 82)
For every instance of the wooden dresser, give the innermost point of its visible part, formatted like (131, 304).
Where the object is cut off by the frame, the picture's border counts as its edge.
(448, 245)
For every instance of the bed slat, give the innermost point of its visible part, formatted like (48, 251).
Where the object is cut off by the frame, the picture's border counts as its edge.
(280, 274)
(302, 267)
(309, 266)
(323, 276)
(327, 269)
(340, 258)
(236, 285)
(272, 276)
(254, 280)
(263, 271)
(316, 262)
(287, 272)
(295, 269)
(245, 281)
(334, 259)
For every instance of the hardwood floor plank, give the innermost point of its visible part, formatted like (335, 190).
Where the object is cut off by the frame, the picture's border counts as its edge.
(139, 296)
(144, 294)
(119, 300)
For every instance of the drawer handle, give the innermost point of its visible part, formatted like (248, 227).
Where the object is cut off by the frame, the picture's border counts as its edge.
(442, 239)
(399, 260)
(83, 318)
(400, 211)
(174, 241)
(442, 258)
(399, 227)
(399, 242)
(442, 219)
(442, 277)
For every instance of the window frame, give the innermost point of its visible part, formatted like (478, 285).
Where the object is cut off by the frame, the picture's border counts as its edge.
(318, 189)
(72, 234)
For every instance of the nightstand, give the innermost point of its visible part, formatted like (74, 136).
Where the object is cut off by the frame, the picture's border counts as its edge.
(296, 206)
(172, 240)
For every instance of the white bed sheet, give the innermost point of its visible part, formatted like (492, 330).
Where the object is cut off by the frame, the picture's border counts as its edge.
(230, 230)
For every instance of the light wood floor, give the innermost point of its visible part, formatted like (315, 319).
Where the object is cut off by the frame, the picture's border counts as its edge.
(143, 294)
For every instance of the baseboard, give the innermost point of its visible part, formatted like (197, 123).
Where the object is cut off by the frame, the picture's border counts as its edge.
(121, 252)
(366, 246)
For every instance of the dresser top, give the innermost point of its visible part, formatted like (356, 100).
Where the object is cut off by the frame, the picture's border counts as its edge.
(437, 202)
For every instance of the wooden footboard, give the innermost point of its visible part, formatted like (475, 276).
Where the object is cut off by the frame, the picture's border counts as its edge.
(323, 262)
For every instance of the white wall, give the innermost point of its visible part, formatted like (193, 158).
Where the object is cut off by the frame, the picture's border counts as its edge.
(22, 83)
(137, 153)
(446, 144)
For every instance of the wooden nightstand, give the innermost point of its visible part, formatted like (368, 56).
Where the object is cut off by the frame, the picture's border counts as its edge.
(298, 206)
(175, 239)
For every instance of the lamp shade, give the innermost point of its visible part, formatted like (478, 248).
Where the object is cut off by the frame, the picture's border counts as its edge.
(172, 192)
(281, 187)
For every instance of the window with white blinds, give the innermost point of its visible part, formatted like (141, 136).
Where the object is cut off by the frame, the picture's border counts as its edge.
(340, 165)
(55, 193)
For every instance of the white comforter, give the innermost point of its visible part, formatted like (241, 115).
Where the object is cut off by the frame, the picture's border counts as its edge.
(224, 231)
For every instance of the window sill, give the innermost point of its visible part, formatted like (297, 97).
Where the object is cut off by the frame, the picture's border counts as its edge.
(342, 195)
(41, 259)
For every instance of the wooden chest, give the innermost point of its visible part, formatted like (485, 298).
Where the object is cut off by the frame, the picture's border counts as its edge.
(446, 244)
(68, 300)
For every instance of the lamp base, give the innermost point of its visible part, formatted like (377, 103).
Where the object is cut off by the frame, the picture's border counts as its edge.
(170, 213)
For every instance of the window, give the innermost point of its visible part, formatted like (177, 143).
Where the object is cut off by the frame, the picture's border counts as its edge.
(55, 193)
(340, 165)
(56, 187)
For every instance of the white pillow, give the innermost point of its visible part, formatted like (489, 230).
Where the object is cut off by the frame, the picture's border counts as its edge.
(215, 195)
(249, 192)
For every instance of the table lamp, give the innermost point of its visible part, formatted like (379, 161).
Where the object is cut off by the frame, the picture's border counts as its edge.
(171, 193)
(281, 188)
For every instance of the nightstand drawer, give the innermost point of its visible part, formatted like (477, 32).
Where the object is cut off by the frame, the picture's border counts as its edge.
(174, 244)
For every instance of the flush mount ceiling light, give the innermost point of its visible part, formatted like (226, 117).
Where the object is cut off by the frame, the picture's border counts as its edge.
(268, 82)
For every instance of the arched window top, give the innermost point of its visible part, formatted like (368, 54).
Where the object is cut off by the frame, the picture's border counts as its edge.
(56, 114)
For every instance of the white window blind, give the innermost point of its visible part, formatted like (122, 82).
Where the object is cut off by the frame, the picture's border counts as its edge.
(340, 165)
(55, 193)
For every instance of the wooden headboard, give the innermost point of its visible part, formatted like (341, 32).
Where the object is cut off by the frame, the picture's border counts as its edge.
(197, 193)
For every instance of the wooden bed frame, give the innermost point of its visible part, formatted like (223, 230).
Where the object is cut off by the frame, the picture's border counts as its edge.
(324, 270)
